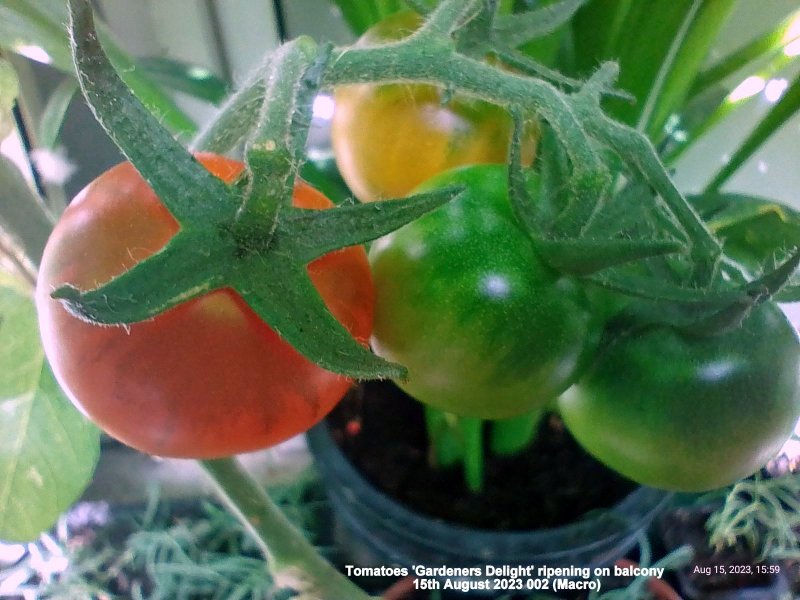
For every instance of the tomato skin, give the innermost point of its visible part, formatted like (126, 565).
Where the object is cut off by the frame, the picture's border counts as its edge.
(689, 413)
(389, 138)
(462, 300)
(207, 378)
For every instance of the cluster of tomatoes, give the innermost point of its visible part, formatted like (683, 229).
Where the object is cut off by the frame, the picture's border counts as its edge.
(459, 296)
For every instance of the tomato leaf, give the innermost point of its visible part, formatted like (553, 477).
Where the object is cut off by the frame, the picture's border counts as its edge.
(185, 187)
(753, 230)
(48, 450)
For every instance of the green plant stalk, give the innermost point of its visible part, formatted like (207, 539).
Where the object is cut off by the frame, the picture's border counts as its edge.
(471, 429)
(446, 447)
(509, 436)
(293, 560)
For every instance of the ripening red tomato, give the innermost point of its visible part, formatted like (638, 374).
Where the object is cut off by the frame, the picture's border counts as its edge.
(207, 378)
(389, 138)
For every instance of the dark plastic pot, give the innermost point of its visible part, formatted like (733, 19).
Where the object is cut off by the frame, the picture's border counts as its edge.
(375, 530)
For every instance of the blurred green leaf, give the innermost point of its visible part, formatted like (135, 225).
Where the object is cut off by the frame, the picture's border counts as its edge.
(658, 46)
(9, 89)
(360, 15)
(54, 112)
(781, 112)
(47, 448)
(684, 60)
(22, 213)
(517, 29)
(323, 174)
(768, 44)
(29, 28)
(184, 77)
(753, 230)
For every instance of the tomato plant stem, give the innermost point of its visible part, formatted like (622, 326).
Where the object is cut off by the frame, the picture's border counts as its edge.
(292, 559)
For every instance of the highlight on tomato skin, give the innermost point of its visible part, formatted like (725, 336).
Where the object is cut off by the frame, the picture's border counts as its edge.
(484, 326)
(389, 138)
(207, 378)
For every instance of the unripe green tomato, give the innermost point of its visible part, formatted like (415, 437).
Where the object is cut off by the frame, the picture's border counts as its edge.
(389, 138)
(689, 413)
(485, 328)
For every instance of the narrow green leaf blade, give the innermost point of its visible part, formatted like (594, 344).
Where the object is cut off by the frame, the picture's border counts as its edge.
(47, 448)
(281, 293)
(9, 89)
(185, 77)
(767, 44)
(22, 213)
(55, 111)
(781, 112)
(684, 61)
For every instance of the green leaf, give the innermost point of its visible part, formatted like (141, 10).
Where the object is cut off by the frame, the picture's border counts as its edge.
(184, 77)
(55, 111)
(767, 44)
(48, 450)
(754, 231)
(322, 173)
(183, 185)
(515, 30)
(779, 114)
(683, 61)
(26, 25)
(649, 40)
(9, 89)
(360, 15)
(22, 213)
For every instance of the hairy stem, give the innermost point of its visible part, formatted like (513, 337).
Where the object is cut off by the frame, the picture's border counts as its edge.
(293, 560)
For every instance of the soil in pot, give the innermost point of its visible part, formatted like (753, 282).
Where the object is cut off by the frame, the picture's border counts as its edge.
(382, 432)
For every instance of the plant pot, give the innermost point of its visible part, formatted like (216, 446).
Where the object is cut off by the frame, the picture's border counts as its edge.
(728, 574)
(373, 529)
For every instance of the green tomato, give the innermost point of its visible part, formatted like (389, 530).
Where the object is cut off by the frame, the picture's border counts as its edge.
(688, 413)
(485, 328)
